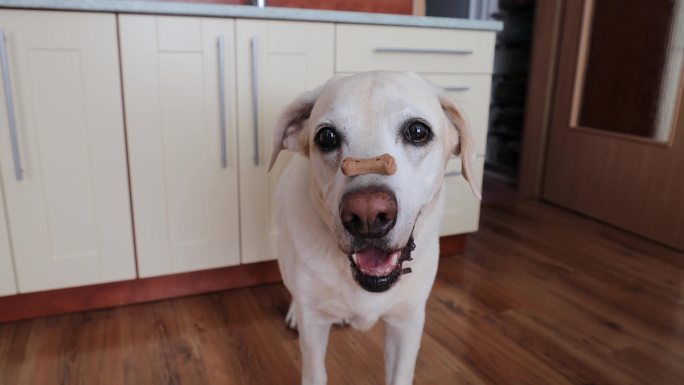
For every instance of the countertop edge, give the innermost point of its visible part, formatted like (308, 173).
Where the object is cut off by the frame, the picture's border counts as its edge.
(251, 12)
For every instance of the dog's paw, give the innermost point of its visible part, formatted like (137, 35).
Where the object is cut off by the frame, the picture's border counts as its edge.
(291, 318)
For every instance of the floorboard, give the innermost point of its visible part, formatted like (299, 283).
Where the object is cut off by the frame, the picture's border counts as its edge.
(541, 296)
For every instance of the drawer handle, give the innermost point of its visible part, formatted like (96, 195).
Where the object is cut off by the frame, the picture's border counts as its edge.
(423, 51)
(222, 98)
(457, 89)
(255, 98)
(452, 173)
(11, 118)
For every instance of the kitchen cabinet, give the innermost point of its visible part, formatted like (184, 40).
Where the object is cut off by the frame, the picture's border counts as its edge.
(179, 94)
(276, 61)
(7, 284)
(185, 201)
(461, 207)
(64, 178)
(185, 177)
(471, 94)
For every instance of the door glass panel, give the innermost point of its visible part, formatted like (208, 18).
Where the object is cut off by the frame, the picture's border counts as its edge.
(631, 77)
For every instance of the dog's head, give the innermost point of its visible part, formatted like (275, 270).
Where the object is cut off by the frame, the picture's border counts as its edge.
(377, 143)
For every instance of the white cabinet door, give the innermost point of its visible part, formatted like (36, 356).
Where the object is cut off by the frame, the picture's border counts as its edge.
(462, 208)
(7, 283)
(185, 199)
(287, 58)
(69, 215)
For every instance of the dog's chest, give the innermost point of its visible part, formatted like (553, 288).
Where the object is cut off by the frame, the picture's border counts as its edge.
(360, 317)
(360, 308)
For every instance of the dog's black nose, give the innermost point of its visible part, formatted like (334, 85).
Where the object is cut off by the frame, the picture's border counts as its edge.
(370, 212)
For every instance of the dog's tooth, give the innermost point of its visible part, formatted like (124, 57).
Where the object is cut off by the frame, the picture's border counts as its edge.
(394, 258)
(356, 259)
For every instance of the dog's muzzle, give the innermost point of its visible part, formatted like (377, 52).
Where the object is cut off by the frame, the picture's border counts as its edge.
(377, 270)
(369, 214)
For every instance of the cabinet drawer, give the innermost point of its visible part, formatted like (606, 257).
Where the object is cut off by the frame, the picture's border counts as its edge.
(462, 208)
(428, 50)
(471, 93)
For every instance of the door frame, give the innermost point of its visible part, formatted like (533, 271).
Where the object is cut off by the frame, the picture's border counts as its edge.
(541, 87)
(541, 91)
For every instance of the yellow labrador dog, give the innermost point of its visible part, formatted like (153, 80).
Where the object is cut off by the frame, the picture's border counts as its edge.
(359, 208)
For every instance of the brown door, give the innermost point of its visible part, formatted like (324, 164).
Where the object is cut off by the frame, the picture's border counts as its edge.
(616, 145)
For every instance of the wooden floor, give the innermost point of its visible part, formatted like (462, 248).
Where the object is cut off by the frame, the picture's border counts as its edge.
(541, 296)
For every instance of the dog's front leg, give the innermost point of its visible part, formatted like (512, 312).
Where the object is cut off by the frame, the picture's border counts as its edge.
(402, 341)
(313, 342)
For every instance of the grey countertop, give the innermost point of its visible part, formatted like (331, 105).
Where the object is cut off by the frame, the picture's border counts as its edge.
(252, 12)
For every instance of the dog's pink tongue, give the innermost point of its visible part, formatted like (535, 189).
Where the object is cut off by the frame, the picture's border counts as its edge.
(373, 261)
(371, 258)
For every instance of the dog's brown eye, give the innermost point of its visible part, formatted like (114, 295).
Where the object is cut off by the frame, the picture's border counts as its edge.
(417, 133)
(327, 139)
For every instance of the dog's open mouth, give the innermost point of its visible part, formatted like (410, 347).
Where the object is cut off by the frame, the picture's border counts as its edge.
(376, 269)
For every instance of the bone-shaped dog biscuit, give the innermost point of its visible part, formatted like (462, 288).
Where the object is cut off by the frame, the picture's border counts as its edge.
(383, 164)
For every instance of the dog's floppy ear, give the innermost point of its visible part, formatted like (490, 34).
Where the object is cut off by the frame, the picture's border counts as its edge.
(460, 141)
(288, 133)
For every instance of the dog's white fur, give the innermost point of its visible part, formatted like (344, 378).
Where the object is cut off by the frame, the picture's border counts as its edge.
(369, 110)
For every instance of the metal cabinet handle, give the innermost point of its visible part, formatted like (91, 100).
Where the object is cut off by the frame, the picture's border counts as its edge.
(452, 173)
(255, 98)
(423, 51)
(222, 98)
(12, 119)
(457, 88)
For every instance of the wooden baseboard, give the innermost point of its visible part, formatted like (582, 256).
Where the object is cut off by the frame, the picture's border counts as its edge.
(452, 245)
(46, 303)
(40, 304)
